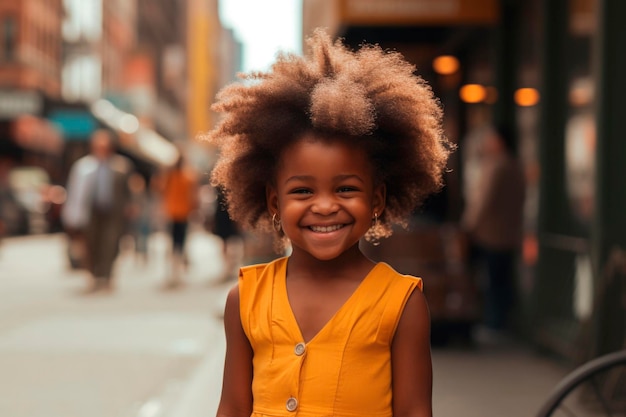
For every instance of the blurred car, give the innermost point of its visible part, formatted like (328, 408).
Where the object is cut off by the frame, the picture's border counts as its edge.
(38, 200)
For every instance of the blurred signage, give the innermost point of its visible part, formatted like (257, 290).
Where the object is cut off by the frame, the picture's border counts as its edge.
(37, 134)
(140, 84)
(16, 103)
(74, 124)
(389, 12)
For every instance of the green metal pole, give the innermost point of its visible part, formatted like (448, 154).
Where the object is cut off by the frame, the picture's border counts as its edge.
(507, 56)
(609, 232)
(551, 292)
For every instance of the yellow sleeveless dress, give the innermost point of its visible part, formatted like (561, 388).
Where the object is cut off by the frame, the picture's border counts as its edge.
(345, 370)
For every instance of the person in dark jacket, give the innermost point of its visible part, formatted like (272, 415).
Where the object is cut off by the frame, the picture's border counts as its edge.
(493, 218)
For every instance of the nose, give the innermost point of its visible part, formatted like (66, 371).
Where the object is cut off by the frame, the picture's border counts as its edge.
(325, 204)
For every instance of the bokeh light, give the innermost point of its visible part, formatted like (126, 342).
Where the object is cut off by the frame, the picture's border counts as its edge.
(473, 93)
(446, 64)
(526, 97)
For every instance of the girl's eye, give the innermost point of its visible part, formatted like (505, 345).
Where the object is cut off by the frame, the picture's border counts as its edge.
(300, 191)
(346, 189)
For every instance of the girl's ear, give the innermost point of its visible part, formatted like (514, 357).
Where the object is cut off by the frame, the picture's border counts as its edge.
(379, 198)
(271, 197)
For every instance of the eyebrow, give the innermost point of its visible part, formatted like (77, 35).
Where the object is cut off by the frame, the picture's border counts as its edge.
(342, 177)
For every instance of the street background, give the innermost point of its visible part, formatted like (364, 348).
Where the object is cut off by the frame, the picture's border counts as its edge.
(148, 71)
(141, 351)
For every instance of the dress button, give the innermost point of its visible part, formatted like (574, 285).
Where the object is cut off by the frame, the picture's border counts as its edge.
(292, 404)
(299, 349)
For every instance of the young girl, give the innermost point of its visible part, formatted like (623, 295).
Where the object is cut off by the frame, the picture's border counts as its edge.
(326, 150)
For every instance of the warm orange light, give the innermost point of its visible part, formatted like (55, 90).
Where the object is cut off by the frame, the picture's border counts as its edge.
(446, 64)
(526, 97)
(473, 93)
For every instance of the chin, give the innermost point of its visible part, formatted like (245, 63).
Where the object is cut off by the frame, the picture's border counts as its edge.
(330, 256)
(324, 256)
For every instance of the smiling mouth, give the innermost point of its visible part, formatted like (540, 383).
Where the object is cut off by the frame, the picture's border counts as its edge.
(326, 229)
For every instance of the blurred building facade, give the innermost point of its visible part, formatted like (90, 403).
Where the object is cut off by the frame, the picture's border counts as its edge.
(549, 70)
(31, 52)
(150, 70)
(30, 66)
(208, 66)
(159, 93)
(110, 78)
(147, 70)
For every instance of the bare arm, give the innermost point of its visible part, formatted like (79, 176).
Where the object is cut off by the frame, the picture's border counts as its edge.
(236, 399)
(412, 374)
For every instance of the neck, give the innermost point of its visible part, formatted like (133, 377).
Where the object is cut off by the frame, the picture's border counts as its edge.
(301, 262)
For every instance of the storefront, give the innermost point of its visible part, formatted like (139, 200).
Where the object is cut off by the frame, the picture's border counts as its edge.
(26, 136)
(553, 70)
(576, 301)
(31, 149)
(450, 44)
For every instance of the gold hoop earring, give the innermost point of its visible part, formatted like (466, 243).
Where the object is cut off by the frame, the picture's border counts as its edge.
(276, 224)
(373, 234)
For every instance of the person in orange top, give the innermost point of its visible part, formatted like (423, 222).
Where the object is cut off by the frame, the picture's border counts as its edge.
(325, 150)
(180, 199)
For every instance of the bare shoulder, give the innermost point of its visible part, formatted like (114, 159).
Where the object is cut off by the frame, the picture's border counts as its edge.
(411, 359)
(416, 307)
(415, 310)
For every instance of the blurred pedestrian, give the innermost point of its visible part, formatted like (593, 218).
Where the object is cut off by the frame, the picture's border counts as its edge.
(493, 219)
(141, 219)
(230, 237)
(180, 199)
(96, 212)
(326, 150)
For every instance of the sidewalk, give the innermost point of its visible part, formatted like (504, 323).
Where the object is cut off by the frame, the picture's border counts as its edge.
(142, 352)
(126, 354)
(504, 380)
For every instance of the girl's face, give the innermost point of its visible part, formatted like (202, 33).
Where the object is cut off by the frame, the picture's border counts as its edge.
(325, 196)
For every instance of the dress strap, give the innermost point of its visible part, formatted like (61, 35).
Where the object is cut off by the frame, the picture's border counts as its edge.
(399, 291)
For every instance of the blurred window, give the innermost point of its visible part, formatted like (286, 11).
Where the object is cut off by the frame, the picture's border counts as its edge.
(9, 38)
(83, 20)
(580, 129)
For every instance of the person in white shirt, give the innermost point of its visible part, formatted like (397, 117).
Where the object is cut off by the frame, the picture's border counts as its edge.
(95, 213)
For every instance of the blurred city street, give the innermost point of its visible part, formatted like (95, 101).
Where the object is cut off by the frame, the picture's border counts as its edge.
(129, 353)
(547, 263)
(146, 73)
(141, 351)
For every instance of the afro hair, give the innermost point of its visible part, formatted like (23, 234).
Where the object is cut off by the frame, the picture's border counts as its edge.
(370, 96)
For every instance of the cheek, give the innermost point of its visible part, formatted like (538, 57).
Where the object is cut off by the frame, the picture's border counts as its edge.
(361, 208)
(291, 208)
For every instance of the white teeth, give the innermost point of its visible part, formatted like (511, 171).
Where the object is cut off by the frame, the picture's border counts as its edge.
(326, 229)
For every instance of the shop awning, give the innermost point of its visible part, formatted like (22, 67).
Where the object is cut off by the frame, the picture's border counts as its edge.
(141, 141)
(36, 134)
(149, 145)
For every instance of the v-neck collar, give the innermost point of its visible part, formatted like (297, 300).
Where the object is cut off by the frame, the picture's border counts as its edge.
(282, 298)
